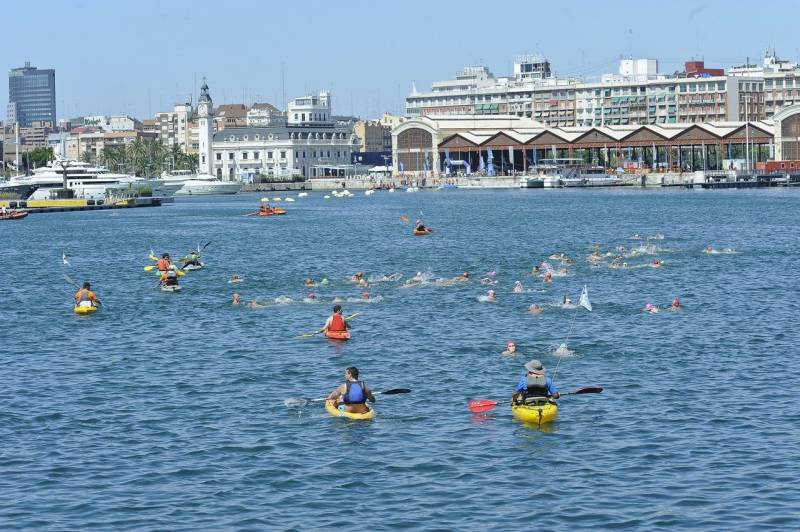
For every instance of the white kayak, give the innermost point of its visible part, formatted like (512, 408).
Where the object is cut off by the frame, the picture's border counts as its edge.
(170, 288)
(193, 267)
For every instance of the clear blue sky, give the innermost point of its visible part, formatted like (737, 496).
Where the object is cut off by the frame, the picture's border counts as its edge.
(140, 57)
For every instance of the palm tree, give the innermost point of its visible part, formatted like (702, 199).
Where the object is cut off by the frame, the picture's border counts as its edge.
(156, 155)
(137, 155)
(193, 161)
(177, 158)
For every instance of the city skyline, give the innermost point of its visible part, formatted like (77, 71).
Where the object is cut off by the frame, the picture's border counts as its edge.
(366, 55)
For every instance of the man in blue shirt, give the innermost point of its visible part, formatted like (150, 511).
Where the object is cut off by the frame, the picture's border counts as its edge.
(534, 384)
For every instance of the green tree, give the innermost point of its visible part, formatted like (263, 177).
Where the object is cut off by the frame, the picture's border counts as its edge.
(192, 162)
(38, 157)
(177, 159)
(137, 156)
(88, 156)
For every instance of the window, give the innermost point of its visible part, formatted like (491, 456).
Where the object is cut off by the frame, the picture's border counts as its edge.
(255, 155)
(295, 116)
(219, 156)
(269, 155)
(244, 155)
(230, 156)
(303, 117)
(283, 155)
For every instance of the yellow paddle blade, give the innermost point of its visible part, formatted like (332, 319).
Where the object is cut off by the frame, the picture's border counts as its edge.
(152, 257)
(181, 273)
(351, 316)
(149, 268)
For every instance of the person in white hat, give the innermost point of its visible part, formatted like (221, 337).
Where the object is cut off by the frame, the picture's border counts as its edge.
(535, 385)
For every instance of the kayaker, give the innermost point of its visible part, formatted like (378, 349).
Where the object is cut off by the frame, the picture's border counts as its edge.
(420, 227)
(265, 208)
(85, 297)
(237, 299)
(193, 258)
(352, 396)
(163, 263)
(170, 277)
(534, 384)
(336, 322)
(511, 349)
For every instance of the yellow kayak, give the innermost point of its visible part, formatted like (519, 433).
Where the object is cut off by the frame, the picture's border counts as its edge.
(84, 310)
(335, 412)
(536, 414)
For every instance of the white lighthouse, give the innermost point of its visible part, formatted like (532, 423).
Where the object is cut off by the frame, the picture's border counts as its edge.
(205, 114)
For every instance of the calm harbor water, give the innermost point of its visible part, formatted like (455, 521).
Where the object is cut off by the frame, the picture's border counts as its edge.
(166, 411)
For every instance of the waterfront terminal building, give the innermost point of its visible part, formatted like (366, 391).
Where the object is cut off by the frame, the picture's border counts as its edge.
(447, 144)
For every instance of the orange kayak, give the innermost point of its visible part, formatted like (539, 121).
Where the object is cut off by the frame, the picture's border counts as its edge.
(338, 335)
(14, 215)
(272, 212)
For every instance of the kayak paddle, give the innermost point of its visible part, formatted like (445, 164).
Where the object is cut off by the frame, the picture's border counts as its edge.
(301, 402)
(478, 406)
(309, 335)
(70, 281)
(149, 268)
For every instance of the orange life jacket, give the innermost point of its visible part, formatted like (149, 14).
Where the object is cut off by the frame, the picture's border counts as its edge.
(162, 264)
(337, 323)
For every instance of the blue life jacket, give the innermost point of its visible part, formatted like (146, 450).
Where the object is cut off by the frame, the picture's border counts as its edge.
(354, 393)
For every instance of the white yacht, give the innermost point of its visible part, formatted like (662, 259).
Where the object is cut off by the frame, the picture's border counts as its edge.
(197, 185)
(86, 181)
(545, 176)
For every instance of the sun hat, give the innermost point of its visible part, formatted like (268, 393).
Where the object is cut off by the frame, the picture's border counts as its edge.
(534, 366)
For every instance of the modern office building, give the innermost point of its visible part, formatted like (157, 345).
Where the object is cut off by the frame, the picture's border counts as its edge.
(31, 95)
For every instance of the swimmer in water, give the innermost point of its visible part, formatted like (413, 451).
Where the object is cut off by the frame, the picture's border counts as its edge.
(710, 249)
(535, 270)
(311, 296)
(324, 281)
(676, 304)
(363, 283)
(511, 349)
(548, 277)
(491, 295)
(463, 278)
(237, 299)
(365, 296)
(565, 301)
(235, 278)
(656, 263)
(254, 304)
(535, 309)
(357, 277)
(309, 282)
(652, 309)
(518, 289)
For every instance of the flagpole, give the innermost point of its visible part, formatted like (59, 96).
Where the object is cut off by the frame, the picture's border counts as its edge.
(582, 302)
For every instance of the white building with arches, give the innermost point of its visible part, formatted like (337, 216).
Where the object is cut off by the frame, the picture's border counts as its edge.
(308, 139)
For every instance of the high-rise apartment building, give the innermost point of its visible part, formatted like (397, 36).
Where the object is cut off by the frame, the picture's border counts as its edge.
(31, 95)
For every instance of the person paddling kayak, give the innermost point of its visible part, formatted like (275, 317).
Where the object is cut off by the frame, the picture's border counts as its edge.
(352, 396)
(192, 259)
(336, 322)
(163, 263)
(534, 385)
(170, 277)
(85, 297)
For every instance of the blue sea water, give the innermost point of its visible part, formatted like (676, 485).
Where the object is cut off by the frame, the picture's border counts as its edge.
(166, 411)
